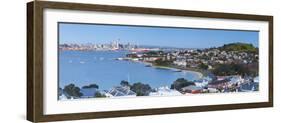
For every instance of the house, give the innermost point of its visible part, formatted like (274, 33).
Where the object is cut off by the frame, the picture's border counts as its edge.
(236, 80)
(180, 62)
(256, 79)
(222, 77)
(192, 89)
(201, 83)
(121, 91)
(165, 91)
(250, 86)
(150, 59)
(212, 90)
(218, 83)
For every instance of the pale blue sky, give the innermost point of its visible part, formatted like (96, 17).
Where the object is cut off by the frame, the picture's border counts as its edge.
(156, 36)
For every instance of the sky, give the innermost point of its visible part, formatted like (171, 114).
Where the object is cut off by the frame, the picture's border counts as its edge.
(153, 36)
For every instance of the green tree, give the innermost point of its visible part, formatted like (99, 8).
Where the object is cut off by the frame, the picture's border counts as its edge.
(141, 89)
(161, 62)
(132, 55)
(236, 69)
(91, 86)
(180, 83)
(224, 70)
(203, 66)
(99, 95)
(238, 47)
(125, 83)
(72, 91)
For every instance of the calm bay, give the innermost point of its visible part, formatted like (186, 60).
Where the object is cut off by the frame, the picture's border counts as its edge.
(101, 67)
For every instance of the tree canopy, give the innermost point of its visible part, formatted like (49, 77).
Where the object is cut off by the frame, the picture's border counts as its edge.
(91, 86)
(141, 89)
(238, 47)
(161, 62)
(99, 95)
(125, 83)
(235, 69)
(203, 66)
(180, 83)
(72, 91)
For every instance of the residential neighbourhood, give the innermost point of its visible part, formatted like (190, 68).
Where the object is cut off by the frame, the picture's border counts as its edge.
(228, 68)
(230, 84)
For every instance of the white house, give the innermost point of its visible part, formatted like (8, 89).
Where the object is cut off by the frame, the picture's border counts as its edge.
(236, 80)
(121, 91)
(256, 79)
(164, 91)
(180, 62)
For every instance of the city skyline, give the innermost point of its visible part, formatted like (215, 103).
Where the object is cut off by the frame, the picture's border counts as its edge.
(72, 33)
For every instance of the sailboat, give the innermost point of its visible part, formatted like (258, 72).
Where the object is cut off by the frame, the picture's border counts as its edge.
(128, 77)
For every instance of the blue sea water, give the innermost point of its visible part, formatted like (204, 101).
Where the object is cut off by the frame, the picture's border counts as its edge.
(101, 67)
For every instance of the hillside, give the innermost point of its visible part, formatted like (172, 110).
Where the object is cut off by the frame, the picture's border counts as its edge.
(238, 47)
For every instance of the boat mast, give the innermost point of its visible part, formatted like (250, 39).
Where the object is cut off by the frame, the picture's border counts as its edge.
(128, 77)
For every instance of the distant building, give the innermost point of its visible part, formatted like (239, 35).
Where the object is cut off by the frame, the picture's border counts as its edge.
(180, 62)
(151, 59)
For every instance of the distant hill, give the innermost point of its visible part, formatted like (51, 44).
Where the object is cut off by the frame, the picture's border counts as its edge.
(238, 47)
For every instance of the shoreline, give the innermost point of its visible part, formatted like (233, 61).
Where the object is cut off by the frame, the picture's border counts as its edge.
(198, 73)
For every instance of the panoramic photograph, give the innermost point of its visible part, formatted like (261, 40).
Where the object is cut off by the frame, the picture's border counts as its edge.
(121, 61)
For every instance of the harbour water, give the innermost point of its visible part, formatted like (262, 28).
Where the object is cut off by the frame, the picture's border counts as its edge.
(101, 67)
